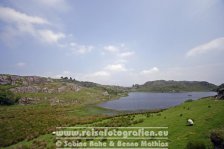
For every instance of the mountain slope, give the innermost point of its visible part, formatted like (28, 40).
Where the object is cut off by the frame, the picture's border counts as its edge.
(35, 89)
(174, 86)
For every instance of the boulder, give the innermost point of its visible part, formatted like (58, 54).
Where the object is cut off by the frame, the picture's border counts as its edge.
(105, 93)
(73, 87)
(26, 89)
(61, 89)
(220, 92)
(26, 100)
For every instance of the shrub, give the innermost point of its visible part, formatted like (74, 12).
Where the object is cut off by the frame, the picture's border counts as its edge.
(217, 138)
(7, 97)
(189, 100)
(195, 145)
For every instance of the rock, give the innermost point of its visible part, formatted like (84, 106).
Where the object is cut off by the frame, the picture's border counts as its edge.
(44, 90)
(14, 79)
(62, 89)
(220, 92)
(24, 80)
(26, 100)
(51, 91)
(73, 87)
(26, 89)
(54, 101)
(35, 80)
(4, 80)
(105, 93)
(69, 87)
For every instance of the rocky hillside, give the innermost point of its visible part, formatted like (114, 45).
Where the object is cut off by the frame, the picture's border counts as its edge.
(34, 89)
(220, 91)
(174, 86)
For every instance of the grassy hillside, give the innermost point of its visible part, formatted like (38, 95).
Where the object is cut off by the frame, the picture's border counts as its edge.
(207, 114)
(174, 86)
(37, 105)
(41, 90)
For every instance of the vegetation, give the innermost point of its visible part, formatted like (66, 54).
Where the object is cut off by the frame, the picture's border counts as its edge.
(70, 103)
(73, 104)
(174, 86)
(217, 138)
(195, 145)
(7, 97)
(180, 135)
(20, 123)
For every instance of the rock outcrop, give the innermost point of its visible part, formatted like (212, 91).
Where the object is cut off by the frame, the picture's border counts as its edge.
(34, 84)
(26, 89)
(220, 92)
(26, 101)
(22, 80)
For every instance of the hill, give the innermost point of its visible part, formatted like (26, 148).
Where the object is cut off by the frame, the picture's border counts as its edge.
(35, 90)
(174, 86)
(38, 105)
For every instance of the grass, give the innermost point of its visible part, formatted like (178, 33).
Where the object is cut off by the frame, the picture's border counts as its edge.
(19, 123)
(207, 114)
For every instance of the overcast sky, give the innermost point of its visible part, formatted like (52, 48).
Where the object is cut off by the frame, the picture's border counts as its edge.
(118, 42)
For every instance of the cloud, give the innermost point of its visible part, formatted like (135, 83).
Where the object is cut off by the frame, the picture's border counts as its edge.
(64, 73)
(57, 4)
(101, 74)
(20, 24)
(97, 77)
(149, 71)
(104, 75)
(214, 45)
(111, 48)
(81, 49)
(120, 53)
(126, 54)
(20, 64)
(115, 68)
(49, 36)
(12, 16)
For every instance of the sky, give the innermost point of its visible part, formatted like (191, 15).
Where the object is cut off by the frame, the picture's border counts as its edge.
(115, 42)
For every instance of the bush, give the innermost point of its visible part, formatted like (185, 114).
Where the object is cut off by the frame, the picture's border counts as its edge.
(195, 145)
(7, 97)
(189, 100)
(217, 138)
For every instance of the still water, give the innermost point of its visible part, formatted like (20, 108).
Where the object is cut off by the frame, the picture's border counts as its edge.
(148, 101)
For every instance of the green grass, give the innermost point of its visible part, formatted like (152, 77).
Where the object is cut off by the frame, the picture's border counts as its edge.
(26, 122)
(207, 114)
(19, 123)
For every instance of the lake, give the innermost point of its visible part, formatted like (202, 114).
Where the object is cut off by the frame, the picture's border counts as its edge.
(148, 101)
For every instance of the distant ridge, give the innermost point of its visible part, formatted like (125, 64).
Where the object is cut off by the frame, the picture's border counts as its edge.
(174, 86)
